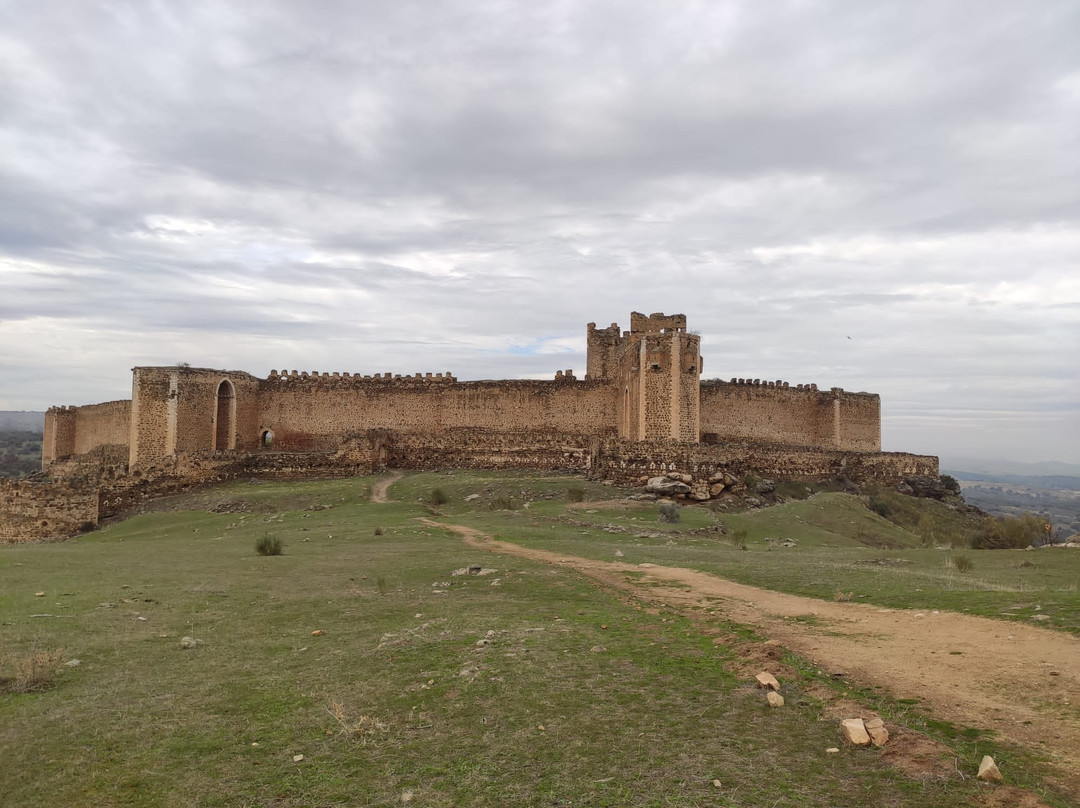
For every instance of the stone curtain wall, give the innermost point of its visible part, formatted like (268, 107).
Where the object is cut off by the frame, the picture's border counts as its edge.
(32, 511)
(626, 462)
(80, 430)
(485, 449)
(801, 415)
(106, 424)
(860, 421)
(313, 411)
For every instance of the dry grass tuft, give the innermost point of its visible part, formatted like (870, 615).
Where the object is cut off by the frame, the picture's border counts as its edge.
(32, 673)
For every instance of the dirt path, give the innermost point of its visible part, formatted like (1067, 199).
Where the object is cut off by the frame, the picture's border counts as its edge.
(380, 487)
(1019, 680)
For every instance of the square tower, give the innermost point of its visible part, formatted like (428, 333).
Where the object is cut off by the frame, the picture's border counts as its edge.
(656, 366)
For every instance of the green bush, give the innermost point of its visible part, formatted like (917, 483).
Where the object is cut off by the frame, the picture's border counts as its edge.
(1010, 532)
(575, 493)
(438, 497)
(503, 502)
(669, 512)
(950, 483)
(268, 544)
(737, 537)
(879, 506)
(962, 563)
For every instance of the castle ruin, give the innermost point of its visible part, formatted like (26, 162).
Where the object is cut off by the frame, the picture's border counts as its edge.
(642, 408)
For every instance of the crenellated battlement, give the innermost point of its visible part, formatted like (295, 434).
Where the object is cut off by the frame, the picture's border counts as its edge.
(304, 376)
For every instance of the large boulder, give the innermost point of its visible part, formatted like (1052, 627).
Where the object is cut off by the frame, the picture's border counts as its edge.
(666, 487)
(854, 731)
(765, 486)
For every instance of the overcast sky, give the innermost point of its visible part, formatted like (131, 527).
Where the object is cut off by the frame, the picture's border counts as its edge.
(875, 196)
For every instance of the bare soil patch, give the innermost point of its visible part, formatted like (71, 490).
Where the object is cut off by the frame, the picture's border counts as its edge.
(1022, 682)
(380, 487)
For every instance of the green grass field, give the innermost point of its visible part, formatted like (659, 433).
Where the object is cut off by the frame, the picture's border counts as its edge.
(527, 686)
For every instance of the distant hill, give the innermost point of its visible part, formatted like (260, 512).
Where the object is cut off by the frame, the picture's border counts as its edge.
(998, 466)
(22, 421)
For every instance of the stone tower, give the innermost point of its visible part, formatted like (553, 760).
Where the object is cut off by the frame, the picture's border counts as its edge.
(656, 366)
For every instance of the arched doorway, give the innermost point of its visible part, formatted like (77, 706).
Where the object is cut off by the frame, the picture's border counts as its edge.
(225, 429)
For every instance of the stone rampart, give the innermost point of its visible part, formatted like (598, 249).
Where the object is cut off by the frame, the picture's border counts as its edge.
(803, 415)
(79, 430)
(626, 462)
(31, 510)
(486, 449)
(313, 412)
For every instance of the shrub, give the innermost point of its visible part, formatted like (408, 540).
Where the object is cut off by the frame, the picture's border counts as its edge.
(575, 493)
(962, 563)
(926, 530)
(669, 512)
(1009, 532)
(381, 585)
(951, 484)
(737, 537)
(378, 530)
(32, 673)
(503, 502)
(438, 497)
(268, 544)
(879, 506)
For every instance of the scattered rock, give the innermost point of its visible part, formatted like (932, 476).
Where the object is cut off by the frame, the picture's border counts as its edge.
(471, 497)
(787, 543)
(141, 619)
(482, 643)
(717, 784)
(1040, 617)
(598, 649)
(317, 632)
(618, 553)
(406, 797)
(832, 750)
(775, 699)
(73, 663)
(662, 485)
(716, 489)
(188, 642)
(39, 594)
(854, 731)
(767, 680)
(765, 486)
(875, 728)
(297, 758)
(988, 770)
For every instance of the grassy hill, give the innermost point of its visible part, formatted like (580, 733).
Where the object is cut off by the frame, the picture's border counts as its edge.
(399, 682)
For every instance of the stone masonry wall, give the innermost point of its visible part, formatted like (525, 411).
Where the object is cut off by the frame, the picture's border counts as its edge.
(485, 449)
(32, 511)
(175, 409)
(803, 415)
(107, 424)
(626, 462)
(309, 411)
